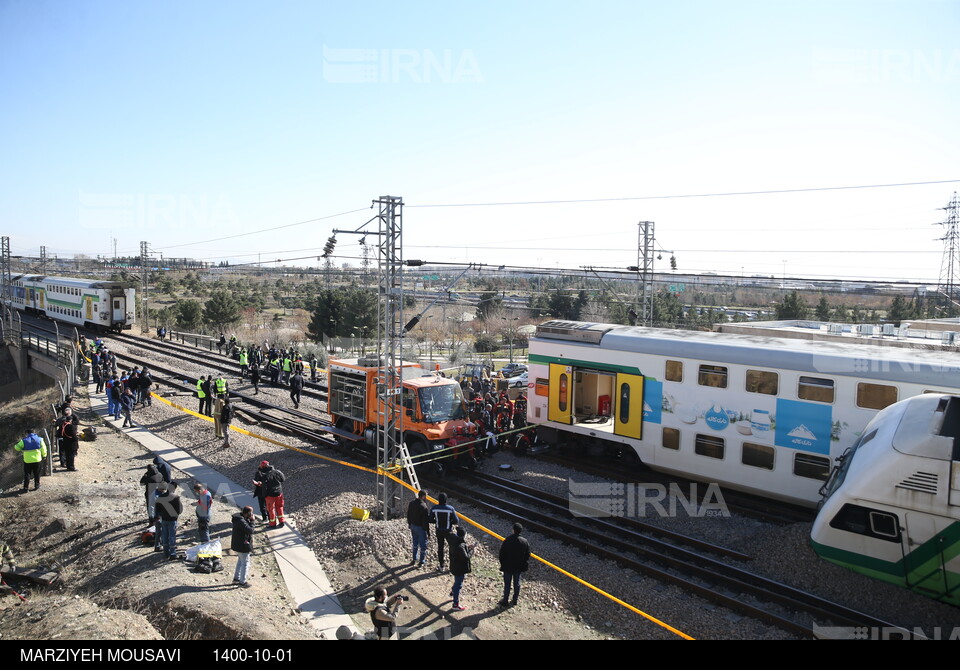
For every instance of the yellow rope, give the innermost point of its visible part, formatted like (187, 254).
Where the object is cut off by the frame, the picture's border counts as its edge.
(473, 523)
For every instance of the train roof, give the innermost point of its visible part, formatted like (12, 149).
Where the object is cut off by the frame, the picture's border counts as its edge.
(935, 366)
(75, 282)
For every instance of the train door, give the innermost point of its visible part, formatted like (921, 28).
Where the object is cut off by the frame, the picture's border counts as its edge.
(628, 406)
(560, 400)
(119, 309)
(928, 551)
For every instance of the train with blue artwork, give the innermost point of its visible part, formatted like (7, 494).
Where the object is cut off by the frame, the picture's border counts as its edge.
(757, 413)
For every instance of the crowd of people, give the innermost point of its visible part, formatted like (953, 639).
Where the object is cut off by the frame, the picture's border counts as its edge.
(494, 414)
(451, 533)
(165, 506)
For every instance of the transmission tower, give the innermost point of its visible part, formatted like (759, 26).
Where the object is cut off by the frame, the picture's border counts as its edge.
(43, 261)
(948, 288)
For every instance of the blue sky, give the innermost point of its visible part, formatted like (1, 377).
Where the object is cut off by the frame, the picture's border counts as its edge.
(179, 123)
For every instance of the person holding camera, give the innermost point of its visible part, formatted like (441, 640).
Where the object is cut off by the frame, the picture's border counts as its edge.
(383, 612)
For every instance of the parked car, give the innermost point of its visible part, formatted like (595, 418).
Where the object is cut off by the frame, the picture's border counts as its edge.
(513, 369)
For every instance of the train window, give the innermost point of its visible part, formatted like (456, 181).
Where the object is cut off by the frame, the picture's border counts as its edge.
(757, 455)
(884, 524)
(762, 381)
(869, 522)
(674, 371)
(875, 396)
(671, 438)
(713, 375)
(708, 445)
(562, 396)
(811, 467)
(815, 388)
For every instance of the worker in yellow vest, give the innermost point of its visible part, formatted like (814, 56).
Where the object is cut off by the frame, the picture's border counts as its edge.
(201, 395)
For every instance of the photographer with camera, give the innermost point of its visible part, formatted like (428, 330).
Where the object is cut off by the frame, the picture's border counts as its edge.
(383, 612)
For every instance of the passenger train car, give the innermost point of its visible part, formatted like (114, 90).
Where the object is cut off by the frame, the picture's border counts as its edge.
(892, 507)
(94, 304)
(756, 413)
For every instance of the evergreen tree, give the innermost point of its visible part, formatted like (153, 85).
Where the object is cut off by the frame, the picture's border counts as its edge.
(823, 309)
(899, 310)
(327, 315)
(221, 310)
(792, 307)
(188, 314)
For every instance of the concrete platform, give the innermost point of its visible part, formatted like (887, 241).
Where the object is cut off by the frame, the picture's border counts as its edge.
(305, 578)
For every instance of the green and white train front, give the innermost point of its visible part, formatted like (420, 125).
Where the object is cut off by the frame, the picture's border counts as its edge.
(891, 508)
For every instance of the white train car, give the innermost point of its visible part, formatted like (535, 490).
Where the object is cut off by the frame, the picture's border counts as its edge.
(891, 509)
(98, 305)
(760, 414)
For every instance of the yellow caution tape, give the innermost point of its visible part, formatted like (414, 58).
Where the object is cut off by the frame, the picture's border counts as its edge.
(478, 526)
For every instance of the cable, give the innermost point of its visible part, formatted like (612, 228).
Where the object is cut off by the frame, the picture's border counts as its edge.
(686, 195)
(265, 230)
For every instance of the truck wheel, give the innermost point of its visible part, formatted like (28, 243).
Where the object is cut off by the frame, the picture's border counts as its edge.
(418, 452)
(343, 444)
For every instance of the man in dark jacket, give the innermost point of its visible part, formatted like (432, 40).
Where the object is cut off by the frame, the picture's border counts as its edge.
(242, 543)
(151, 480)
(146, 381)
(460, 553)
(514, 560)
(258, 487)
(296, 389)
(206, 386)
(127, 403)
(445, 517)
(67, 430)
(169, 507)
(272, 484)
(255, 378)
(418, 518)
(163, 468)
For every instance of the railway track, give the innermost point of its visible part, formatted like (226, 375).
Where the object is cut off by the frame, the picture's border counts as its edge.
(695, 569)
(685, 562)
(770, 511)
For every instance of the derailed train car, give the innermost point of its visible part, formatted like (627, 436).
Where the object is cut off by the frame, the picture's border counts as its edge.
(761, 414)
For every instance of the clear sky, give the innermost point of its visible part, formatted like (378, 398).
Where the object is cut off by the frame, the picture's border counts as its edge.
(179, 123)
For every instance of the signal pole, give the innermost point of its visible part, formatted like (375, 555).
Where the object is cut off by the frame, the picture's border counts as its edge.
(390, 447)
(145, 327)
(645, 265)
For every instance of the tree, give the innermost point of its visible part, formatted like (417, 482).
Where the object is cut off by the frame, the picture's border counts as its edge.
(221, 310)
(490, 303)
(327, 315)
(188, 314)
(823, 309)
(667, 309)
(792, 307)
(899, 310)
(360, 313)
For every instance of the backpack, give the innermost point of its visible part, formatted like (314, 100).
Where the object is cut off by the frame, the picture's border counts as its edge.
(208, 564)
